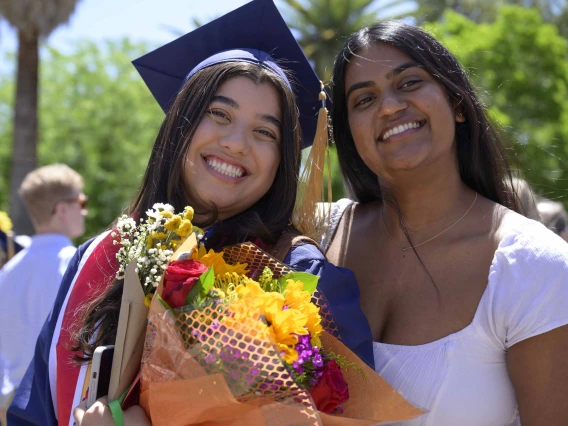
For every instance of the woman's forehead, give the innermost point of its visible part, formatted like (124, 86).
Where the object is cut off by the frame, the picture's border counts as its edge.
(243, 93)
(375, 58)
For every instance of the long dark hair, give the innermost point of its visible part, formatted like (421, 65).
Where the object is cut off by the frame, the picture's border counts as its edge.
(163, 182)
(483, 163)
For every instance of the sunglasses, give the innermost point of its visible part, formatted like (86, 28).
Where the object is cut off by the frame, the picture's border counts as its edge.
(82, 200)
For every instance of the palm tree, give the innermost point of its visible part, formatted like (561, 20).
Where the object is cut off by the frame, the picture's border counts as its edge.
(322, 25)
(33, 20)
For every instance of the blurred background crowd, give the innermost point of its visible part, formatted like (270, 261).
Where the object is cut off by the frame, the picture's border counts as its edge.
(94, 113)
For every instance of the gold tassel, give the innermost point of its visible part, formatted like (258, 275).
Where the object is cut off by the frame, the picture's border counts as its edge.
(308, 218)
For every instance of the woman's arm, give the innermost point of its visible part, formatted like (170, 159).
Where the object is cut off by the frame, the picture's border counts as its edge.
(538, 368)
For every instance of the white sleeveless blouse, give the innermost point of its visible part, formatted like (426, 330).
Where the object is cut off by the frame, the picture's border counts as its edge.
(462, 378)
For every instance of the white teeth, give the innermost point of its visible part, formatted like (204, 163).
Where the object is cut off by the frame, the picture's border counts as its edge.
(224, 168)
(399, 129)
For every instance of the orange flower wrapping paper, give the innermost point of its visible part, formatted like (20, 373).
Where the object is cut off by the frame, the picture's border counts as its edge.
(201, 367)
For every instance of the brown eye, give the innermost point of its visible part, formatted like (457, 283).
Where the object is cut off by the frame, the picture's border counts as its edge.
(218, 113)
(410, 83)
(267, 134)
(364, 101)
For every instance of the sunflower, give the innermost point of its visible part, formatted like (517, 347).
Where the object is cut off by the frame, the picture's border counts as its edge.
(216, 260)
(297, 298)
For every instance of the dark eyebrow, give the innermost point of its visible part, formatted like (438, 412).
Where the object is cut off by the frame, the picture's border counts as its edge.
(225, 100)
(402, 68)
(271, 119)
(360, 85)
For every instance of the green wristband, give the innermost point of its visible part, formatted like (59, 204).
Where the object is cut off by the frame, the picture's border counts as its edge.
(116, 411)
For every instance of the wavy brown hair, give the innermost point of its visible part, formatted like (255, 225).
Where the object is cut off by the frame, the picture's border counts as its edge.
(163, 182)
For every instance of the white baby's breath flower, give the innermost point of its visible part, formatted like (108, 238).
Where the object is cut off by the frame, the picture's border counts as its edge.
(125, 225)
(163, 207)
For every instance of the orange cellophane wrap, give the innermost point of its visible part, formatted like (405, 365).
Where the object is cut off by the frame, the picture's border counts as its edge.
(200, 366)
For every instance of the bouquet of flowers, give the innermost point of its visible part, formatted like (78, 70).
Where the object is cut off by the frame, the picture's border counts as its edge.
(238, 337)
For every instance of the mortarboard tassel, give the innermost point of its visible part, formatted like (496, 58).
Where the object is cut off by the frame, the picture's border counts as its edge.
(310, 215)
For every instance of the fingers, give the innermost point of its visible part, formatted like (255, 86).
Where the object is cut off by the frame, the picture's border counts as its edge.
(79, 412)
(135, 415)
(98, 414)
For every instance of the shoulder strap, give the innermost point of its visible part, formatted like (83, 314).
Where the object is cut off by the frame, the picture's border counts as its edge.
(338, 209)
(287, 240)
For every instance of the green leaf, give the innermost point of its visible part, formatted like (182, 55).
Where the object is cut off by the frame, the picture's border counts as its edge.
(201, 287)
(207, 280)
(310, 281)
(163, 302)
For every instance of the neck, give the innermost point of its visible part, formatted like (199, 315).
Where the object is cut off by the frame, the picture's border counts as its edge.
(51, 228)
(427, 201)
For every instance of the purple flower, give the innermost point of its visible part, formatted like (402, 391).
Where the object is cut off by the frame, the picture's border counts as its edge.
(317, 361)
(299, 369)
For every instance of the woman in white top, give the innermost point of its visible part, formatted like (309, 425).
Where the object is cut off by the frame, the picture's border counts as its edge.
(467, 299)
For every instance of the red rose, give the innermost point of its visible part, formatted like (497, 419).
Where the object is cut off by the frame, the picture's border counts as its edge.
(331, 389)
(179, 278)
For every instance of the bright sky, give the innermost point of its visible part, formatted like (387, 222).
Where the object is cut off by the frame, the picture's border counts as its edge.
(150, 20)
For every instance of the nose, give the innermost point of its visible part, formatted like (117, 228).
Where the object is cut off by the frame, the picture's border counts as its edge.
(391, 104)
(236, 142)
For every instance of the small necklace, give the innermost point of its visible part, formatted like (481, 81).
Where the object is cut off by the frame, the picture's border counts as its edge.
(435, 236)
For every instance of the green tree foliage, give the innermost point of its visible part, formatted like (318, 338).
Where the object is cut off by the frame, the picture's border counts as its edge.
(322, 25)
(520, 61)
(552, 11)
(97, 116)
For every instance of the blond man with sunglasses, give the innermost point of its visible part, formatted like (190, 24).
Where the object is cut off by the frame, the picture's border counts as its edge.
(55, 201)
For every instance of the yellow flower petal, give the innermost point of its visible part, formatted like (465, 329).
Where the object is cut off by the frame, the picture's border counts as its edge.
(148, 299)
(188, 213)
(5, 222)
(184, 229)
(173, 223)
(221, 267)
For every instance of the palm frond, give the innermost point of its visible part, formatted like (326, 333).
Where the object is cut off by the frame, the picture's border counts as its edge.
(37, 18)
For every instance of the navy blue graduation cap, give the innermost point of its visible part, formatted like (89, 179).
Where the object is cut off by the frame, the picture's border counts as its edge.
(255, 33)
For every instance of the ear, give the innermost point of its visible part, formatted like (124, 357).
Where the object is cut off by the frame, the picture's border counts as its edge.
(459, 110)
(60, 209)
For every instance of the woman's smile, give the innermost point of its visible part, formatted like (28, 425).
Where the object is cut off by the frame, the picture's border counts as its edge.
(397, 132)
(225, 171)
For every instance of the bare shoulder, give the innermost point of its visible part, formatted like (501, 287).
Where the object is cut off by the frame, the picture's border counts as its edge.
(365, 213)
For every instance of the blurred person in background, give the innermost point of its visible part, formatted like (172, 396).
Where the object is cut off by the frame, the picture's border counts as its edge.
(54, 198)
(9, 247)
(553, 216)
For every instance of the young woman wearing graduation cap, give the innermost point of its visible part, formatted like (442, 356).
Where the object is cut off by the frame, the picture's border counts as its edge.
(230, 147)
